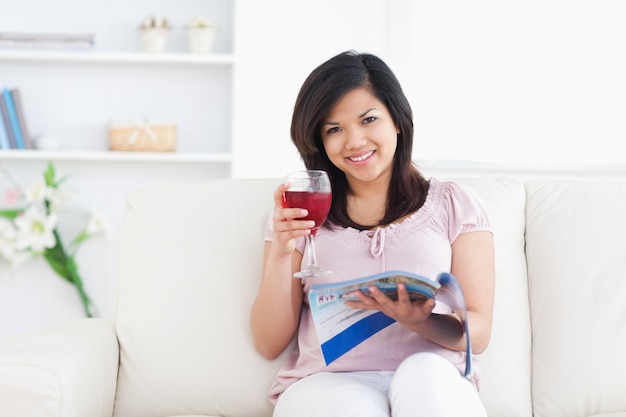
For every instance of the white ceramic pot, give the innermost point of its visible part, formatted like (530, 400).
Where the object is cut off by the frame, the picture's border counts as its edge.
(154, 39)
(201, 39)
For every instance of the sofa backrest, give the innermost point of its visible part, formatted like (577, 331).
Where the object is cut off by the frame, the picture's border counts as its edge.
(576, 252)
(189, 267)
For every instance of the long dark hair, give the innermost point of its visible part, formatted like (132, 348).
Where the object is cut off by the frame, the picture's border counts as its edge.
(321, 91)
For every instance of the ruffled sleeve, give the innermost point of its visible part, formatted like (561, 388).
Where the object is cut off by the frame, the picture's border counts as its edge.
(464, 210)
(269, 229)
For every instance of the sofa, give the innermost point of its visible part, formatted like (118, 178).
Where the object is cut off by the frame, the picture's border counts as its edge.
(189, 267)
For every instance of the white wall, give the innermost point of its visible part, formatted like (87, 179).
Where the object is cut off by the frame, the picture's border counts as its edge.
(278, 43)
(536, 83)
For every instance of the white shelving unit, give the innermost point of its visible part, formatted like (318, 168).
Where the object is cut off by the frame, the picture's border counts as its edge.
(98, 156)
(17, 55)
(73, 94)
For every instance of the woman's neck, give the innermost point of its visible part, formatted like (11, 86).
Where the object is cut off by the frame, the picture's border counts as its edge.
(367, 205)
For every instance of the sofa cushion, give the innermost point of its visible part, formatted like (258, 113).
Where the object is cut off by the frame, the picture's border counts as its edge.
(68, 370)
(189, 268)
(576, 254)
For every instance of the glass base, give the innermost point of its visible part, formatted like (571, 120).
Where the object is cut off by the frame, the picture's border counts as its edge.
(312, 272)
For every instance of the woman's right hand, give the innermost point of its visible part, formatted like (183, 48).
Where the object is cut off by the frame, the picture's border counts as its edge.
(286, 223)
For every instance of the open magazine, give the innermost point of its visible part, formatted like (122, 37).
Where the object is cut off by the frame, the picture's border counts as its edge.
(340, 328)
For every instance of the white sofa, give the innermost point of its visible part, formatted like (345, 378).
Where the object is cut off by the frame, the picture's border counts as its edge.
(189, 267)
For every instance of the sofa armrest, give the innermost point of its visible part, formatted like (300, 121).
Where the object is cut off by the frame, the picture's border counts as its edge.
(68, 370)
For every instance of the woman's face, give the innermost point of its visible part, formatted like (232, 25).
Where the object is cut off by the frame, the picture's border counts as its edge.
(360, 137)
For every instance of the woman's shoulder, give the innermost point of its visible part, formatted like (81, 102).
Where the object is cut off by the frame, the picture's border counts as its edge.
(446, 190)
(445, 196)
(458, 204)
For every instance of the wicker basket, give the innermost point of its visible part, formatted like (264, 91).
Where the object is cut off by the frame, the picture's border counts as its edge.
(142, 136)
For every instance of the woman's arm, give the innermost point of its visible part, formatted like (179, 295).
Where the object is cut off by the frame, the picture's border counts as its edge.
(473, 264)
(275, 313)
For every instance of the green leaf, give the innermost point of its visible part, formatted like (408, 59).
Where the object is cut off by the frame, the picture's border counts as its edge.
(10, 214)
(57, 258)
(49, 175)
(65, 266)
(78, 282)
(58, 264)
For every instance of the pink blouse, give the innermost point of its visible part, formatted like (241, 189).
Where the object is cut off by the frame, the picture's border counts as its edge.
(420, 244)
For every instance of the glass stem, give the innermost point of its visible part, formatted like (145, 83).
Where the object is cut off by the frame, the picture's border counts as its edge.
(310, 250)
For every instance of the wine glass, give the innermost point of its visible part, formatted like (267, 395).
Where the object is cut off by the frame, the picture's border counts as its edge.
(310, 190)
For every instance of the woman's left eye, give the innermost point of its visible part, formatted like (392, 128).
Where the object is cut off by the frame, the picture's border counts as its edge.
(370, 119)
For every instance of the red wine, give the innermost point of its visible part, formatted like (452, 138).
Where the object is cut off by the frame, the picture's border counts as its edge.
(318, 204)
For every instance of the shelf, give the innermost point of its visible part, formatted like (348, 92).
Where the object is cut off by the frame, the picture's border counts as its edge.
(89, 56)
(114, 156)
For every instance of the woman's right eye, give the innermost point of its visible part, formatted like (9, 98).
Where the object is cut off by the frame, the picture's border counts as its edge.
(332, 130)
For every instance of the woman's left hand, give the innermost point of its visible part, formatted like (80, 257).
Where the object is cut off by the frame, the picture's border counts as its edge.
(406, 312)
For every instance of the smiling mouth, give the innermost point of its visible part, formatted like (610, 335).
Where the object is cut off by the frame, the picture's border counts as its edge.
(362, 157)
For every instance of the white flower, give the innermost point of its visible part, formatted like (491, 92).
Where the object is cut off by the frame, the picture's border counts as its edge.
(7, 239)
(57, 197)
(200, 22)
(8, 243)
(37, 192)
(20, 258)
(35, 229)
(96, 224)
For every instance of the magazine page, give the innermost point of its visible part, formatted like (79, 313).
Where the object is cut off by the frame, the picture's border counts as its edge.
(340, 328)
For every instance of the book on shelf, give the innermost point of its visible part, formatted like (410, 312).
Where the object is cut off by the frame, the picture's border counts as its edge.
(4, 133)
(340, 328)
(6, 121)
(21, 118)
(14, 125)
(46, 40)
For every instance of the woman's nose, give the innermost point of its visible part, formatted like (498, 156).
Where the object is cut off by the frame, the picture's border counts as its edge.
(355, 139)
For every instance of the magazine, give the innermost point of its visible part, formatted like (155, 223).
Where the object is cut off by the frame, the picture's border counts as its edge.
(340, 328)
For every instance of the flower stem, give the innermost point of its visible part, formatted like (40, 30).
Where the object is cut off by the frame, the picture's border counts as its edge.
(65, 266)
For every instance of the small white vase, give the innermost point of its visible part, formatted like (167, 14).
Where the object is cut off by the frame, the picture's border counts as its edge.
(153, 40)
(201, 39)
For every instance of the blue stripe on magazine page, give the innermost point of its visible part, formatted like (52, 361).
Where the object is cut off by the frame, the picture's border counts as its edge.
(353, 335)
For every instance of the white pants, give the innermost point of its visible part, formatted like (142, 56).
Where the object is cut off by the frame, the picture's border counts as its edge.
(425, 384)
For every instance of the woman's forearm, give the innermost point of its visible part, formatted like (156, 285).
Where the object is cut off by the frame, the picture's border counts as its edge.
(275, 312)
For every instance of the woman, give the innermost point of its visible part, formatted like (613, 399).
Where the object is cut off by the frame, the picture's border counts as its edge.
(352, 120)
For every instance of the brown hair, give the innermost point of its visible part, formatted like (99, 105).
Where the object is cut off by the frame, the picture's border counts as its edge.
(322, 89)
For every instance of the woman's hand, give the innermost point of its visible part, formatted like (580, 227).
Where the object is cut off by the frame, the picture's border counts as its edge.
(406, 312)
(286, 225)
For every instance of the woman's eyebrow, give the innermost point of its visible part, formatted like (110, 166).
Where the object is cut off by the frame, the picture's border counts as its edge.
(367, 111)
(328, 122)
